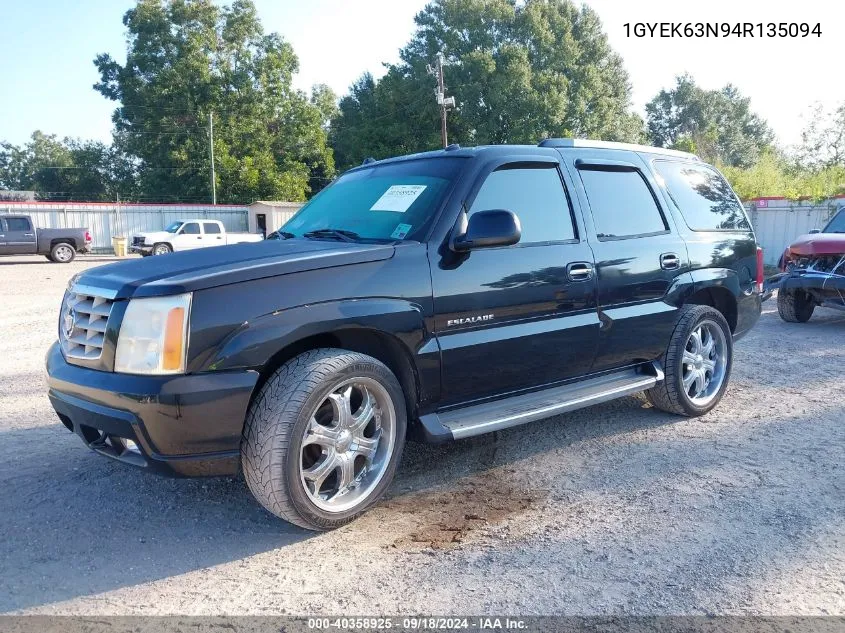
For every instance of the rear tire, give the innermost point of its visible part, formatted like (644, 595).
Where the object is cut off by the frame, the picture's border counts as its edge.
(795, 306)
(323, 438)
(62, 253)
(697, 363)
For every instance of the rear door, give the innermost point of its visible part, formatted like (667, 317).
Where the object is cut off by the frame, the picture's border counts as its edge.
(517, 317)
(18, 236)
(189, 236)
(212, 234)
(638, 254)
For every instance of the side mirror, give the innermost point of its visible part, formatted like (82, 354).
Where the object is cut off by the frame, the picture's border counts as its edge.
(812, 231)
(486, 229)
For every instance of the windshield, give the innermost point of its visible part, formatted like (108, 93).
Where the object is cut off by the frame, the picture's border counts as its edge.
(172, 228)
(396, 201)
(837, 224)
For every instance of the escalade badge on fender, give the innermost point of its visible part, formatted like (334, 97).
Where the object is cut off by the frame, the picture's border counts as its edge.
(469, 320)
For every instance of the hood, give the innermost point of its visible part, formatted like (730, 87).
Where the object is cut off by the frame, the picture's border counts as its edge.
(817, 244)
(202, 268)
(154, 235)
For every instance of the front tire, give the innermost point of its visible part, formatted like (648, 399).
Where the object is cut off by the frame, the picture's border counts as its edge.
(697, 363)
(795, 306)
(323, 438)
(162, 249)
(62, 253)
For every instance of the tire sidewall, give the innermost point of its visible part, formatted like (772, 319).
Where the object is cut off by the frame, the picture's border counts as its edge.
(303, 505)
(166, 248)
(680, 338)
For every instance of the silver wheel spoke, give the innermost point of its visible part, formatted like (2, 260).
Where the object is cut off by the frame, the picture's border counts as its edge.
(708, 346)
(317, 473)
(318, 434)
(342, 405)
(367, 446)
(708, 364)
(347, 471)
(364, 415)
(695, 339)
(689, 358)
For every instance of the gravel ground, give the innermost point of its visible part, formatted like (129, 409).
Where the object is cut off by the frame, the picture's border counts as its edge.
(615, 510)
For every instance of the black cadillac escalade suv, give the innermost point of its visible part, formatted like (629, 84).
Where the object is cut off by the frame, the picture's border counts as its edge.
(437, 296)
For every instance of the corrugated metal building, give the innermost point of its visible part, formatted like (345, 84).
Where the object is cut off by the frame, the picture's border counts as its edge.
(110, 219)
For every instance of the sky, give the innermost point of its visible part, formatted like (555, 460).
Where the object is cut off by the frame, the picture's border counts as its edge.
(47, 48)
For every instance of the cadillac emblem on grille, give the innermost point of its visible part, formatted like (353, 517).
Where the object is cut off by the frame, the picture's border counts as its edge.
(70, 322)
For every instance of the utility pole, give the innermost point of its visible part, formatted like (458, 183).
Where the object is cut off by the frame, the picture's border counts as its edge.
(444, 102)
(211, 153)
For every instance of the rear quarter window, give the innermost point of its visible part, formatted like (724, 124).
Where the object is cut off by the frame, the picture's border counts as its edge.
(705, 199)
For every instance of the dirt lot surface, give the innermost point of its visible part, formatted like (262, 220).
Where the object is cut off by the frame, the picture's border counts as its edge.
(616, 509)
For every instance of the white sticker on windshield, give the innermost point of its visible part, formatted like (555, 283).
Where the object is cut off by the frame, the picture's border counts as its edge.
(398, 198)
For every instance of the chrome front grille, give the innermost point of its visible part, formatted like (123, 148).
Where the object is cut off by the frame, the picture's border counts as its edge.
(82, 326)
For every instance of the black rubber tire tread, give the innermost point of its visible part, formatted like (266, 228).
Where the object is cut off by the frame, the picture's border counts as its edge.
(669, 395)
(271, 422)
(795, 306)
(52, 256)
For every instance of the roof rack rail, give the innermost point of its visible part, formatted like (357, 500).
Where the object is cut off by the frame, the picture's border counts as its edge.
(583, 142)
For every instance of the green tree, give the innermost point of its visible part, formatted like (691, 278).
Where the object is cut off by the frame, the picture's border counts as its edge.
(68, 169)
(189, 60)
(716, 124)
(519, 71)
(823, 139)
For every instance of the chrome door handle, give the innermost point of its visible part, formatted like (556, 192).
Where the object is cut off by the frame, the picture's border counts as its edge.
(669, 261)
(29, 234)
(579, 271)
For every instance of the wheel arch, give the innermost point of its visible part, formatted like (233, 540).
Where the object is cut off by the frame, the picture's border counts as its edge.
(717, 288)
(380, 345)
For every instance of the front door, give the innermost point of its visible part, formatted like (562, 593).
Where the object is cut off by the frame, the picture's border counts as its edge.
(638, 254)
(189, 236)
(18, 236)
(522, 316)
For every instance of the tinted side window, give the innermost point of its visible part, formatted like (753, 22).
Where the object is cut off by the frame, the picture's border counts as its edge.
(211, 227)
(703, 197)
(535, 195)
(17, 224)
(191, 228)
(621, 203)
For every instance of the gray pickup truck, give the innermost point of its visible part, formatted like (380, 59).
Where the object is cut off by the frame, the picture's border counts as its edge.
(18, 236)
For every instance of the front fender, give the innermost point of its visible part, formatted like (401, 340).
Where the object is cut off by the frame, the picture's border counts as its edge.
(254, 343)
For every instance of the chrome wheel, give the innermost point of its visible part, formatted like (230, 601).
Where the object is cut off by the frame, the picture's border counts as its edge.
(63, 253)
(347, 444)
(160, 249)
(704, 362)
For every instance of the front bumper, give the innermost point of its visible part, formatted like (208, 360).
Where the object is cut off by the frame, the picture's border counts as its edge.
(141, 248)
(184, 426)
(827, 289)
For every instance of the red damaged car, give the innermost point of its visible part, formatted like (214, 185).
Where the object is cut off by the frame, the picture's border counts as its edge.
(813, 272)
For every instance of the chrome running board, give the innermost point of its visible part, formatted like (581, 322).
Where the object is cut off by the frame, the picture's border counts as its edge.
(501, 414)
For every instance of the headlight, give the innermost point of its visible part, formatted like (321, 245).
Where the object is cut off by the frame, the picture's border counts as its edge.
(153, 336)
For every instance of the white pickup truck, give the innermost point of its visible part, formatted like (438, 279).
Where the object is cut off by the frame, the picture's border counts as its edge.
(184, 235)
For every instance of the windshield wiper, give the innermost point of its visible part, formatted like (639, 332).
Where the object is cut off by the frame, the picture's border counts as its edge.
(341, 234)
